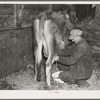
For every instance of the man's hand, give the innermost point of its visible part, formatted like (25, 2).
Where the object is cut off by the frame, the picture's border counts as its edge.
(56, 58)
(62, 45)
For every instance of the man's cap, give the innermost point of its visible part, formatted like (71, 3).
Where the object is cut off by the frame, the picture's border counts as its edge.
(75, 33)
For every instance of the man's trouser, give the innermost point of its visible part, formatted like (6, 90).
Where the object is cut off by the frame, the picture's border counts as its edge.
(67, 77)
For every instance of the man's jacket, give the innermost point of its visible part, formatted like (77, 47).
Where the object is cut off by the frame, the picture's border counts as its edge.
(79, 60)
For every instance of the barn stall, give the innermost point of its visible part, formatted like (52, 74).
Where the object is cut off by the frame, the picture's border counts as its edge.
(16, 53)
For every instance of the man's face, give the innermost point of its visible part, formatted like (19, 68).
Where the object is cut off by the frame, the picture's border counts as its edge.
(75, 39)
(72, 38)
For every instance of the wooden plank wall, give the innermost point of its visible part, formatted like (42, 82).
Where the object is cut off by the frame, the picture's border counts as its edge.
(15, 50)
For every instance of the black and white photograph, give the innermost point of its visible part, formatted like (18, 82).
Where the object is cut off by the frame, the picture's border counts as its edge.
(49, 46)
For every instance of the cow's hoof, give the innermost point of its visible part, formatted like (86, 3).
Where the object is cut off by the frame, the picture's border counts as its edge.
(47, 87)
(38, 79)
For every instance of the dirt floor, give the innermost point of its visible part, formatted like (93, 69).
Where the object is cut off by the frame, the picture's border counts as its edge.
(24, 80)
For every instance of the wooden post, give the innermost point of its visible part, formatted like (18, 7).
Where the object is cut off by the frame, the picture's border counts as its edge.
(18, 15)
(15, 15)
(50, 7)
(97, 11)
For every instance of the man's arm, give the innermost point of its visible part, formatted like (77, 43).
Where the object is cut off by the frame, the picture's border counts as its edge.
(73, 58)
(65, 52)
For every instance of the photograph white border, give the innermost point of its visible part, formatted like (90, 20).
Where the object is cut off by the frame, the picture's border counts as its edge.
(50, 94)
(50, 2)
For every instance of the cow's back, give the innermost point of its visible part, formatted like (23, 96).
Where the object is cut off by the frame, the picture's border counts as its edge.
(60, 26)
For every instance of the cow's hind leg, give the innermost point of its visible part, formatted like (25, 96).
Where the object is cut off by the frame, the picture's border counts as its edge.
(38, 57)
(38, 50)
(50, 44)
(49, 62)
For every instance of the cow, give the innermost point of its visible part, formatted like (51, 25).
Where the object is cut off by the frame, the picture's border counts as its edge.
(50, 30)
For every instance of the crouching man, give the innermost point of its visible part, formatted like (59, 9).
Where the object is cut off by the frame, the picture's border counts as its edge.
(76, 66)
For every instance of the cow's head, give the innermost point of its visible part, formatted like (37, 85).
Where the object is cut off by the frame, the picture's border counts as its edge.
(71, 14)
(69, 26)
